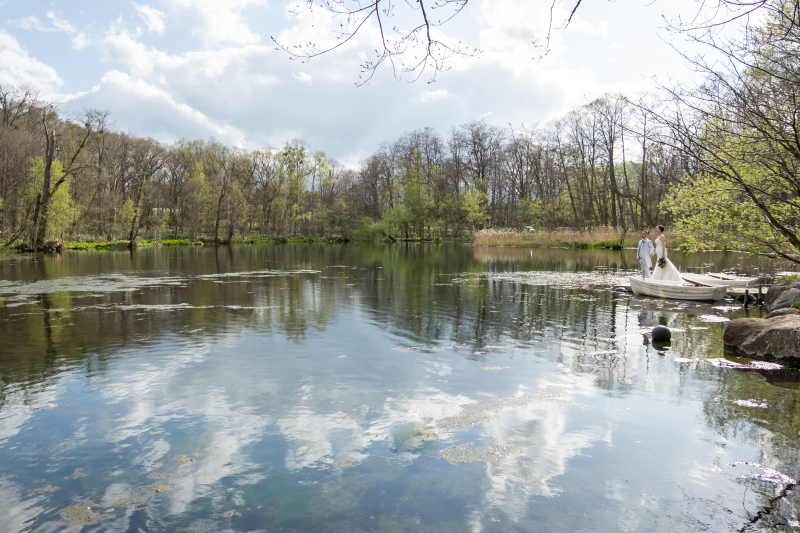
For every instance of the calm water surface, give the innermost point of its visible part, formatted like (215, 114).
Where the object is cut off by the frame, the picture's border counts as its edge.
(396, 389)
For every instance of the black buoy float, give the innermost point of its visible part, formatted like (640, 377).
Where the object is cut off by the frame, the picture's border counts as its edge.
(661, 334)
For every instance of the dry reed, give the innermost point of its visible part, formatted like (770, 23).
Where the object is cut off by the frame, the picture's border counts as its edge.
(597, 237)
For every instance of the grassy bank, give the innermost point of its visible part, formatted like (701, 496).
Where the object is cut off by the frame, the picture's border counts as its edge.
(599, 237)
(123, 244)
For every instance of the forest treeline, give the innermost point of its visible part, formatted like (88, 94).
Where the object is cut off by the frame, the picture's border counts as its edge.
(720, 160)
(115, 185)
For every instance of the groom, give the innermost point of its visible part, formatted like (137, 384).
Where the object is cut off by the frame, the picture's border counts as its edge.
(643, 253)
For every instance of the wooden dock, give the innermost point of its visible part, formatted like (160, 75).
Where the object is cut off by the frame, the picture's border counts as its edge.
(734, 292)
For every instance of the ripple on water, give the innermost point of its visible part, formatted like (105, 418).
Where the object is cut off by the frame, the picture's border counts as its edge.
(560, 280)
(751, 365)
(714, 318)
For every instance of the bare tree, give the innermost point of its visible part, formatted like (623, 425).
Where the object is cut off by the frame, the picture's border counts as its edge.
(71, 147)
(411, 40)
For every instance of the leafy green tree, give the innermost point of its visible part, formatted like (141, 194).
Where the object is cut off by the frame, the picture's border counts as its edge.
(474, 212)
(197, 201)
(738, 133)
(62, 213)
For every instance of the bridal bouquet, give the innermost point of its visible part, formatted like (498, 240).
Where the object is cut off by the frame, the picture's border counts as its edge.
(662, 262)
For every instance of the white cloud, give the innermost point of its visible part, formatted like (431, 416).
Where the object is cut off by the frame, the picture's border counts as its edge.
(18, 67)
(215, 22)
(302, 77)
(59, 23)
(165, 116)
(80, 41)
(153, 17)
(30, 23)
(427, 96)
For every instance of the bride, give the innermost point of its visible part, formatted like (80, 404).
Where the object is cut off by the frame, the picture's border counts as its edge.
(668, 272)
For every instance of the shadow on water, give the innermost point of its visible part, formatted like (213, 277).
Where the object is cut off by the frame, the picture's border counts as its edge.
(302, 388)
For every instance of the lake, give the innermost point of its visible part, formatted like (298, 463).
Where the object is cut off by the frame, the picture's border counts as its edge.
(396, 388)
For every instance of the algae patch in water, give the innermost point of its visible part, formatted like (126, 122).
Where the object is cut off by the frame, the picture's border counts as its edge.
(78, 473)
(752, 403)
(82, 514)
(464, 453)
(138, 500)
(770, 475)
(228, 514)
(473, 414)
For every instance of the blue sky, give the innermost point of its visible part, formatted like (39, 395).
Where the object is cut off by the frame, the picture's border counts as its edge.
(208, 68)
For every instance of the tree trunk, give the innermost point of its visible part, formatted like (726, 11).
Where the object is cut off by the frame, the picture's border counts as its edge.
(137, 214)
(43, 199)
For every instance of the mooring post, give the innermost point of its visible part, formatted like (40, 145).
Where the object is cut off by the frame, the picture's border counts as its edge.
(746, 297)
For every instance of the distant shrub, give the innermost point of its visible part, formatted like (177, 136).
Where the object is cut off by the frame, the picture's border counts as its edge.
(368, 231)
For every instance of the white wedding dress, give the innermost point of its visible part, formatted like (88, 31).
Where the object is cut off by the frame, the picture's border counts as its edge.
(668, 272)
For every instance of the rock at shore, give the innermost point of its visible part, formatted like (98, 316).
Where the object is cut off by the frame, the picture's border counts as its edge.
(775, 338)
(783, 312)
(783, 294)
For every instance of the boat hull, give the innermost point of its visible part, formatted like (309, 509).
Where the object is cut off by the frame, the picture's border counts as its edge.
(674, 290)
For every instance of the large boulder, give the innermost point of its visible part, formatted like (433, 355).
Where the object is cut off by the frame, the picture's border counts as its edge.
(782, 294)
(742, 330)
(777, 338)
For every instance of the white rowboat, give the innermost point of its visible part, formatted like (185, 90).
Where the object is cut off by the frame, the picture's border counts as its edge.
(676, 290)
(720, 279)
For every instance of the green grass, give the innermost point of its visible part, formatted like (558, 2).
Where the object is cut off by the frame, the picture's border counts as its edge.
(101, 245)
(16, 245)
(793, 276)
(796, 304)
(612, 244)
(255, 241)
(91, 245)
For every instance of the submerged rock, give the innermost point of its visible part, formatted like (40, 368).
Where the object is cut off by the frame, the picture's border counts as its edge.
(783, 294)
(776, 338)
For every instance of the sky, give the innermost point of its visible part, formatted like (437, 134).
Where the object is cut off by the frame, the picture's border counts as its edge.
(205, 69)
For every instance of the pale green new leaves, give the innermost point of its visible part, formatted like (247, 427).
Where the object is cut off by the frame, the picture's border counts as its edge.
(62, 213)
